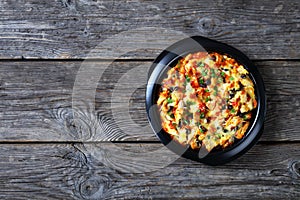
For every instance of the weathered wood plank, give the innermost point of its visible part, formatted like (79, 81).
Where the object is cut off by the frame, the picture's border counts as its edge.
(36, 100)
(63, 171)
(72, 28)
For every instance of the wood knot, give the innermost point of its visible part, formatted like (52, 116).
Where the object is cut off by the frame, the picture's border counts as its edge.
(295, 168)
(94, 187)
(77, 156)
(75, 123)
(207, 25)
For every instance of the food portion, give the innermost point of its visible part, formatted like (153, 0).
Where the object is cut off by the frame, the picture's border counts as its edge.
(207, 100)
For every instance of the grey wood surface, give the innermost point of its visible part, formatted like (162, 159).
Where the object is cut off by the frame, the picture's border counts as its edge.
(71, 28)
(56, 145)
(64, 171)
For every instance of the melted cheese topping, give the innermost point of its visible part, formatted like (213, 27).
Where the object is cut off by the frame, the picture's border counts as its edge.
(206, 100)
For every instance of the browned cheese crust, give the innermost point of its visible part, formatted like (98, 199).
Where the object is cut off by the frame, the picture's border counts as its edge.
(207, 100)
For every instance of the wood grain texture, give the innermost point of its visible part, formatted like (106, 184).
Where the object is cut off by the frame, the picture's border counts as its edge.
(36, 101)
(58, 116)
(73, 28)
(65, 171)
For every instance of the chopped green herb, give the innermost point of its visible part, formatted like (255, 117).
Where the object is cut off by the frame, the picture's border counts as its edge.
(202, 115)
(185, 121)
(215, 90)
(188, 103)
(206, 90)
(207, 99)
(188, 79)
(245, 117)
(204, 72)
(169, 100)
(220, 80)
(201, 81)
(202, 129)
(213, 73)
(200, 64)
(231, 78)
(223, 74)
(208, 137)
(178, 65)
(172, 115)
(197, 123)
(232, 110)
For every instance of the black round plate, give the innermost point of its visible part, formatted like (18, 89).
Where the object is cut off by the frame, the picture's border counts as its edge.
(169, 58)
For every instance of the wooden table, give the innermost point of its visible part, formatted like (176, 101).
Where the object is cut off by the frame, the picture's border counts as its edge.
(50, 150)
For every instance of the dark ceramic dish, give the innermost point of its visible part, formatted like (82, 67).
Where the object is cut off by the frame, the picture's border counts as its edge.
(169, 58)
